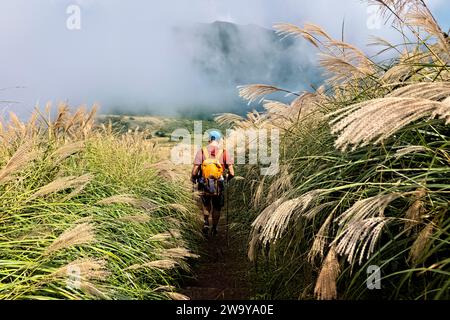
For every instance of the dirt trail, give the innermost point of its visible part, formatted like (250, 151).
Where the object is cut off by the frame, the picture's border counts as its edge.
(222, 271)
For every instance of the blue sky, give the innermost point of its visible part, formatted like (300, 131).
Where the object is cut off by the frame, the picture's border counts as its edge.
(124, 48)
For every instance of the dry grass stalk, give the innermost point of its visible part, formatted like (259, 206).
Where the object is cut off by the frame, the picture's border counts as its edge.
(435, 91)
(161, 236)
(228, 119)
(21, 158)
(411, 149)
(367, 208)
(177, 207)
(418, 248)
(325, 288)
(254, 91)
(278, 221)
(68, 150)
(78, 183)
(310, 32)
(81, 274)
(177, 296)
(128, 200)
(260, 221)
(136, 218)
(80, 234)
(415, 212)
(421, 17)
(347, 67)
(358, 236)
(280, 185)
(376, 120)
(179, 253)
(88, 269)
(166, 264)
(320, 240)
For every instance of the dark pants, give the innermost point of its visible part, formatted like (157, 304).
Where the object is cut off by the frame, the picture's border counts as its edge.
(212, 203)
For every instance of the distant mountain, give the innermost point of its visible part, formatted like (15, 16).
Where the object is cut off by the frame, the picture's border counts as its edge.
(228, 55)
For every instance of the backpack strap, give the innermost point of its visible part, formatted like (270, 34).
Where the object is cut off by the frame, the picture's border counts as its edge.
(219, 154)
(205, 153)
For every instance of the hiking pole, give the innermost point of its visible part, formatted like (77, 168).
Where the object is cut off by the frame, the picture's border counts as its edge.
(226, 204)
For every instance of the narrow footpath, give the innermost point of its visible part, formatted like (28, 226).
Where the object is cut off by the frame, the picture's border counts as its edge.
(222, 271)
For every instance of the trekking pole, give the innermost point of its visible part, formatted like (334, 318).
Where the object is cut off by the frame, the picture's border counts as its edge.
(227, 220)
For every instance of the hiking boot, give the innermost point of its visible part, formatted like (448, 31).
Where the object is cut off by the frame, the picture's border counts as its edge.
(205, 229)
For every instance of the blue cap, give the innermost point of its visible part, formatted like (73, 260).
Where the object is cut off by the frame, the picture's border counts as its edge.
(214, 135)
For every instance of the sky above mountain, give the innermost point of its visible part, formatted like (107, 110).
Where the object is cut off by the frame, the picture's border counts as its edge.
(124, 53)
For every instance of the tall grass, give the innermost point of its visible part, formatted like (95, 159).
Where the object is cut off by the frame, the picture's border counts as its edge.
(365, 170)
(87, 214)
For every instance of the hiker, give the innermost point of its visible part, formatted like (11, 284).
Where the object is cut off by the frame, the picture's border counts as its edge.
(210, 164)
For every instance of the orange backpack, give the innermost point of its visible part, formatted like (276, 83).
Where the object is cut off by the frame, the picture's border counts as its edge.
(211, 167)
(212, 172)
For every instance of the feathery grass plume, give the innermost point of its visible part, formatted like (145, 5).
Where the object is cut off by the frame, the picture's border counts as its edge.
(178, 207)
(418, 248)
(67, 150)
(82, 273)
(275, 107)
(179, 253)
(64, 183)
(61, 117)
(310, 32)
(397, 73)
(397, 8)
(161, 236)
(378, 119)
(341, 69)
(258, 194)
(414, 213)
(228, 119)
(254, 91)
(280, 185)
(260, 221)
(177, 296)
(421, 17)
(314, 211)
(325, 288)
(320, 240)
(443, 111)
(21, 158)
(359, 235)
(88, 269)
(165, 288)
(279, 220)
(80, 234)
(306, 104)
(165, 264)
(368, 208)
(136, 218)
(410, 149)
(128, 200)
(288, 29)
(435, 91)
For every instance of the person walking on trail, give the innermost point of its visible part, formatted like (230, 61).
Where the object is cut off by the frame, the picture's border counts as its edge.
(212, 167)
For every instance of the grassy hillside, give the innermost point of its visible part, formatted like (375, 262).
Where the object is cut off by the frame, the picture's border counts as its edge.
(156, 126)
(89, 213)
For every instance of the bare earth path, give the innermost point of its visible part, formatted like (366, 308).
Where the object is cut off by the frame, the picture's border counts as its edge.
(222, 271)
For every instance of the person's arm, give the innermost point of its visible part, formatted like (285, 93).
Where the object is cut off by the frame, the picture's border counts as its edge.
(195, 170)
(196, 167)
(230, 171)
(229, 165)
